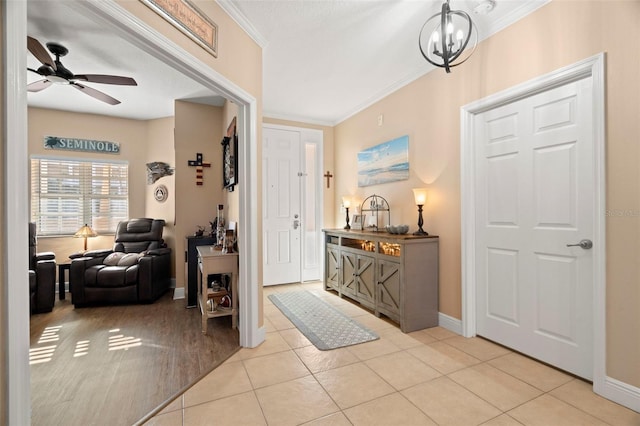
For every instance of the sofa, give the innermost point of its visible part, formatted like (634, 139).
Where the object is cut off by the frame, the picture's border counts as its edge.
(136, 270)
(42, 276)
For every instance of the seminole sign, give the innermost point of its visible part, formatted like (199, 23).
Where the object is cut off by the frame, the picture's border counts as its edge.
(87, 145)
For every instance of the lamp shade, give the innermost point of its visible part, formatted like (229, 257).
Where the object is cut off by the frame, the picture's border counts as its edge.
(346, 202)
(420, 195)
(85, 232)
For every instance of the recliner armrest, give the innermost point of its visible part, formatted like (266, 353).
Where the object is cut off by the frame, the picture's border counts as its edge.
(46, 255)
(97, 253)
(158, 251)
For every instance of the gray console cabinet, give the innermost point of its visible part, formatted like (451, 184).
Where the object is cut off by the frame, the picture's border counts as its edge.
(393, 275)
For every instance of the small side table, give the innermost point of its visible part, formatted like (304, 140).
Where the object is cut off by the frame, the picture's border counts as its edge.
(62, 267)
(212, 261)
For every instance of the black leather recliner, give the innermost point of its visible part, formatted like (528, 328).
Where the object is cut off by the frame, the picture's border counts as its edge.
(42, 276)
(137, 270)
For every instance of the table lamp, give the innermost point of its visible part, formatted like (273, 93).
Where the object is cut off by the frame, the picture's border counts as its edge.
(420, 195)
(85, 232)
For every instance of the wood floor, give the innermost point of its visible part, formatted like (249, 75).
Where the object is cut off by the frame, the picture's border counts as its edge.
(114, 365)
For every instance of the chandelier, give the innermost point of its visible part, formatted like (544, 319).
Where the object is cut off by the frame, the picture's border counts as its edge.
(448, 38)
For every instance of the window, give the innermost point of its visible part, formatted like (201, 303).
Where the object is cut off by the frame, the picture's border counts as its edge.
(66, 194)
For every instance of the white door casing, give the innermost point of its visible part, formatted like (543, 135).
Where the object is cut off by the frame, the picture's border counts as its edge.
(126, 25)
(534, 195)
(592, 68)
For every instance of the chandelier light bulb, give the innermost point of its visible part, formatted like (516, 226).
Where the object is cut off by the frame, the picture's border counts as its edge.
(446, 52)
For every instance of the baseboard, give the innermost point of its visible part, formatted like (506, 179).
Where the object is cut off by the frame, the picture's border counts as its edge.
(178, 293)
(450, 323)
(620, 392)
(257, 338)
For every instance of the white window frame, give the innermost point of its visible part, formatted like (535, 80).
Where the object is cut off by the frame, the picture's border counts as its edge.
(66, 221)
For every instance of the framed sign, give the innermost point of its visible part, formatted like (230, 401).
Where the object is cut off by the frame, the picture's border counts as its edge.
(186, 17)
(357, 222)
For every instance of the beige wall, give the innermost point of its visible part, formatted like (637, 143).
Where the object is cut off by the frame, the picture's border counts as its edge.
(559, 34)
(328, 209)
(160, 147)
(197, 129)
(239, 59)
(130, 134)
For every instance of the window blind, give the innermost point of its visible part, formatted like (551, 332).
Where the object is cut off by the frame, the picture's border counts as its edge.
(66, 194)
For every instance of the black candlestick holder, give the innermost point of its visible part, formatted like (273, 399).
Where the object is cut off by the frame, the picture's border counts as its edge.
(420, 231)
(347, 226)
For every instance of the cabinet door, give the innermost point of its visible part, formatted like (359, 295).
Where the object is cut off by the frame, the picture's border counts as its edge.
(348, 273)
(389, 285)
(365, 275)
(333, 268)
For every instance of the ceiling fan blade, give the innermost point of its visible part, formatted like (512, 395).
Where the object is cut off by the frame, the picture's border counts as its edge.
(96, 94)
(106, 79)
(37, 86)
(37, 49)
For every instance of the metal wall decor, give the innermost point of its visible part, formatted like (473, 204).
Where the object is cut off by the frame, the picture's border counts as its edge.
(157, 170)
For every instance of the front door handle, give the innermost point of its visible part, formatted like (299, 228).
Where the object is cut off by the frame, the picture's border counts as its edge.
(296, 223)
(584, 244)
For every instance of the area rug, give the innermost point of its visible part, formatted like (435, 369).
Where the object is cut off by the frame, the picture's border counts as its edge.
(325, 326)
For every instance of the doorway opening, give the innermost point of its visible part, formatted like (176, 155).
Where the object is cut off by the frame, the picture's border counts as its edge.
(16, 304)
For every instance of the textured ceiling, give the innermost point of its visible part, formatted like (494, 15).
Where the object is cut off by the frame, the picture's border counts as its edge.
(93, 49)
(324, 60)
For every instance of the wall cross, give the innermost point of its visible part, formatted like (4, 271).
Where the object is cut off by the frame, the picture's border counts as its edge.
(199, 164)
(328, 175)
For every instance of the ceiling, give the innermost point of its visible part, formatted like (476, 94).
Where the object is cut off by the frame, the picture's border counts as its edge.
(93, 49)
(323, 60)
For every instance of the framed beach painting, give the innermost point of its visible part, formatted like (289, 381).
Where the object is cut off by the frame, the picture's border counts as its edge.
(387, 162)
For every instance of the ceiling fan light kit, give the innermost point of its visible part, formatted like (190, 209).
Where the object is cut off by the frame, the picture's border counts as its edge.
(447, 39)
(54, 72)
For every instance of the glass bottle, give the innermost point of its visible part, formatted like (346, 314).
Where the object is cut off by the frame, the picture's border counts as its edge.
(220, 229)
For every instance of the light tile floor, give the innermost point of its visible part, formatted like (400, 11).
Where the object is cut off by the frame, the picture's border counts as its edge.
(429, 377)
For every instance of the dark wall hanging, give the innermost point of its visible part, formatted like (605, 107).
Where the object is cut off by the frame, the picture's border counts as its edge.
(230, 157)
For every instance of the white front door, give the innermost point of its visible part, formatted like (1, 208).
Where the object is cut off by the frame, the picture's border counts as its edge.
(292, 204)
(281, 206)
(534, 197)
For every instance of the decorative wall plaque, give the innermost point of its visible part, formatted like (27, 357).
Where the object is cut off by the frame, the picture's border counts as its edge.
(186, 17)
(87, 145)
(161, 193)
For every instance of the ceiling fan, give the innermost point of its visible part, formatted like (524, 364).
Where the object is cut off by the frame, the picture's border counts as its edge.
(54, 72)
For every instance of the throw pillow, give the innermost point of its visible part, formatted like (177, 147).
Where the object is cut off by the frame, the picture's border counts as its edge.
(129, 259)
(113, 258)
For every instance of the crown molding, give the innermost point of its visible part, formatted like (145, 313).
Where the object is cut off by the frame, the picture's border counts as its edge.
(514, 16)
(296, 118)
(244, 23)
